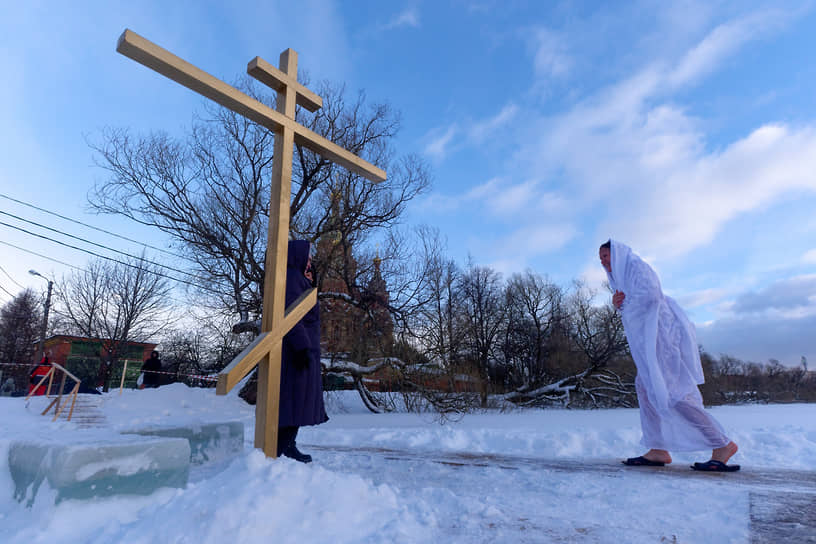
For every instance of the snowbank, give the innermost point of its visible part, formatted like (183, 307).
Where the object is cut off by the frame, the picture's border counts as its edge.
(351, 495)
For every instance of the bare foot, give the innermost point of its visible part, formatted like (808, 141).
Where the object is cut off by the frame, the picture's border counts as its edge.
(659, 455)
(725, 453)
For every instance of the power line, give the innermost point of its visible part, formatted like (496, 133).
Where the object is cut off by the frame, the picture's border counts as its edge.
(99, 245)
(88, 242)
(6, 290)
(90, 226)
(110, 258)
(83, 270)
(41, 255)
(12, 279)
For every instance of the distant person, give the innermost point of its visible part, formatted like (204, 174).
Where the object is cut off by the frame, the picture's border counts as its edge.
(301, 386)
(150, 371)
(36, 375)
(663, 344)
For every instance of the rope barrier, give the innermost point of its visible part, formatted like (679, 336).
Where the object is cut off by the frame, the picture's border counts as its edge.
(205, 377)
(18, 364)
(197, 376)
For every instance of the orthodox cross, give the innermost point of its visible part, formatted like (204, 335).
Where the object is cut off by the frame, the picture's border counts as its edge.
(277, 320)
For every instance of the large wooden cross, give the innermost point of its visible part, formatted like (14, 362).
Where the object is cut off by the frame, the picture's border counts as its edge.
(277, 320)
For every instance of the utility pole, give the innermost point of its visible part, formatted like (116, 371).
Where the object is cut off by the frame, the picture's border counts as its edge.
(44, 327)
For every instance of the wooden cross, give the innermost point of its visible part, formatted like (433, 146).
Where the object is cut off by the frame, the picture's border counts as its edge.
(277, 320)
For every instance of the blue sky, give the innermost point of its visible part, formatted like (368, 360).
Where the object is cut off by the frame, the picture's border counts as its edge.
(684, 129)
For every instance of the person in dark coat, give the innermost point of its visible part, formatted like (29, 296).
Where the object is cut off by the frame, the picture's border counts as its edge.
(150, 370)
(301, 385)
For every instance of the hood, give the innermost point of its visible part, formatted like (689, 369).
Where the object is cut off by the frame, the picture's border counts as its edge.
(621, 256)
(298, 255)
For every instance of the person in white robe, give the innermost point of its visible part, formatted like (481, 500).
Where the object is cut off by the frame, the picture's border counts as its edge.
(663, 344)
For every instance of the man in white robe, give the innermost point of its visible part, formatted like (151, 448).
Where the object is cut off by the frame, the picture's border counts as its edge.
(663, 343)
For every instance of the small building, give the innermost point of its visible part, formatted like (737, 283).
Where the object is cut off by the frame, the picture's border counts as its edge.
(87, 358)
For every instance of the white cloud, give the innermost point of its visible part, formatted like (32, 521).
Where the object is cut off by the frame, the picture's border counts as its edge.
(508, 201)
(702, 297)
(788, 295)
(551, 202)
(482, 130)
(535, 239)
(550, 59)
(723, 41)
(643, 163)
(441, 142)
(437, 147)
(775, 321)
(594, 275)
(406, 18)
(758, 338)
(523, 202)
(704, 57)
(485, 189)
(442, 202)
(437, 202)
(809, 257)
(671, 208)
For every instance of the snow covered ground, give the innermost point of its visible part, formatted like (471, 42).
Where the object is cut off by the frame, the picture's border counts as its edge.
(522, 476)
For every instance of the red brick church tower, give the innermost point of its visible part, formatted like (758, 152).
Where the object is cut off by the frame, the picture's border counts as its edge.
(347, 328)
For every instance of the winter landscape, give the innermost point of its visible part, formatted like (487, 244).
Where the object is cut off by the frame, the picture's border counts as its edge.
(534, 217)
(516, 476)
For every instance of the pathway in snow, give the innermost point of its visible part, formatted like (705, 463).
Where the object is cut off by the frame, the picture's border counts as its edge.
(780, 504)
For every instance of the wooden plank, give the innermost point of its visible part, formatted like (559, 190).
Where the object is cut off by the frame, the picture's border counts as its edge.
(50, 381)
(245, 361)
(274, 301)
(278, 80)
(74, 392)
(269, 443)
(266, 429)
(56, 365)
(53, 402)
(45, 377)
(122, 381)
(169, 65)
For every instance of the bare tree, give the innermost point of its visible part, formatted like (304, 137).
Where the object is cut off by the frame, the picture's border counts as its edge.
(485, 312)
(19, 332)
(210, 190)
(596, 341)
(116, 303)
(437, 324)
(597, 331)
(534, 310)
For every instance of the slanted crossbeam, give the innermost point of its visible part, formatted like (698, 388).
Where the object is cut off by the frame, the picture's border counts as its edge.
(244, 362)
(277, 320)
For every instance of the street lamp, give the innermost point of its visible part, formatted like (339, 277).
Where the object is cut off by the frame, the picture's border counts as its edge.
(41, 348)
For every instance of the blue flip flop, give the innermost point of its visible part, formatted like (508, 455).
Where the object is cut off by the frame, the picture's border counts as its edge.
(642, 462)
(715, 466)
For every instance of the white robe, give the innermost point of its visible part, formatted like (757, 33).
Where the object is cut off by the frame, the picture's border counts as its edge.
(663, 343)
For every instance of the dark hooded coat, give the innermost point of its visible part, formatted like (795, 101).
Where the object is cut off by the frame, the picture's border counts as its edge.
(301, 388)
(150, 368)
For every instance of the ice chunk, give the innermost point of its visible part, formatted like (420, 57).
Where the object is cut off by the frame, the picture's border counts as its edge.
(85, 470)
(209, 442)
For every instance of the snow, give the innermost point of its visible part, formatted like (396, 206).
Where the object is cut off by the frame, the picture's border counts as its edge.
(514, 476)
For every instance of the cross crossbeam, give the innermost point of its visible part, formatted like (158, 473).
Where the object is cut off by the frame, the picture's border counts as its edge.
(277, 320)
(169, 65)
(279, 81)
